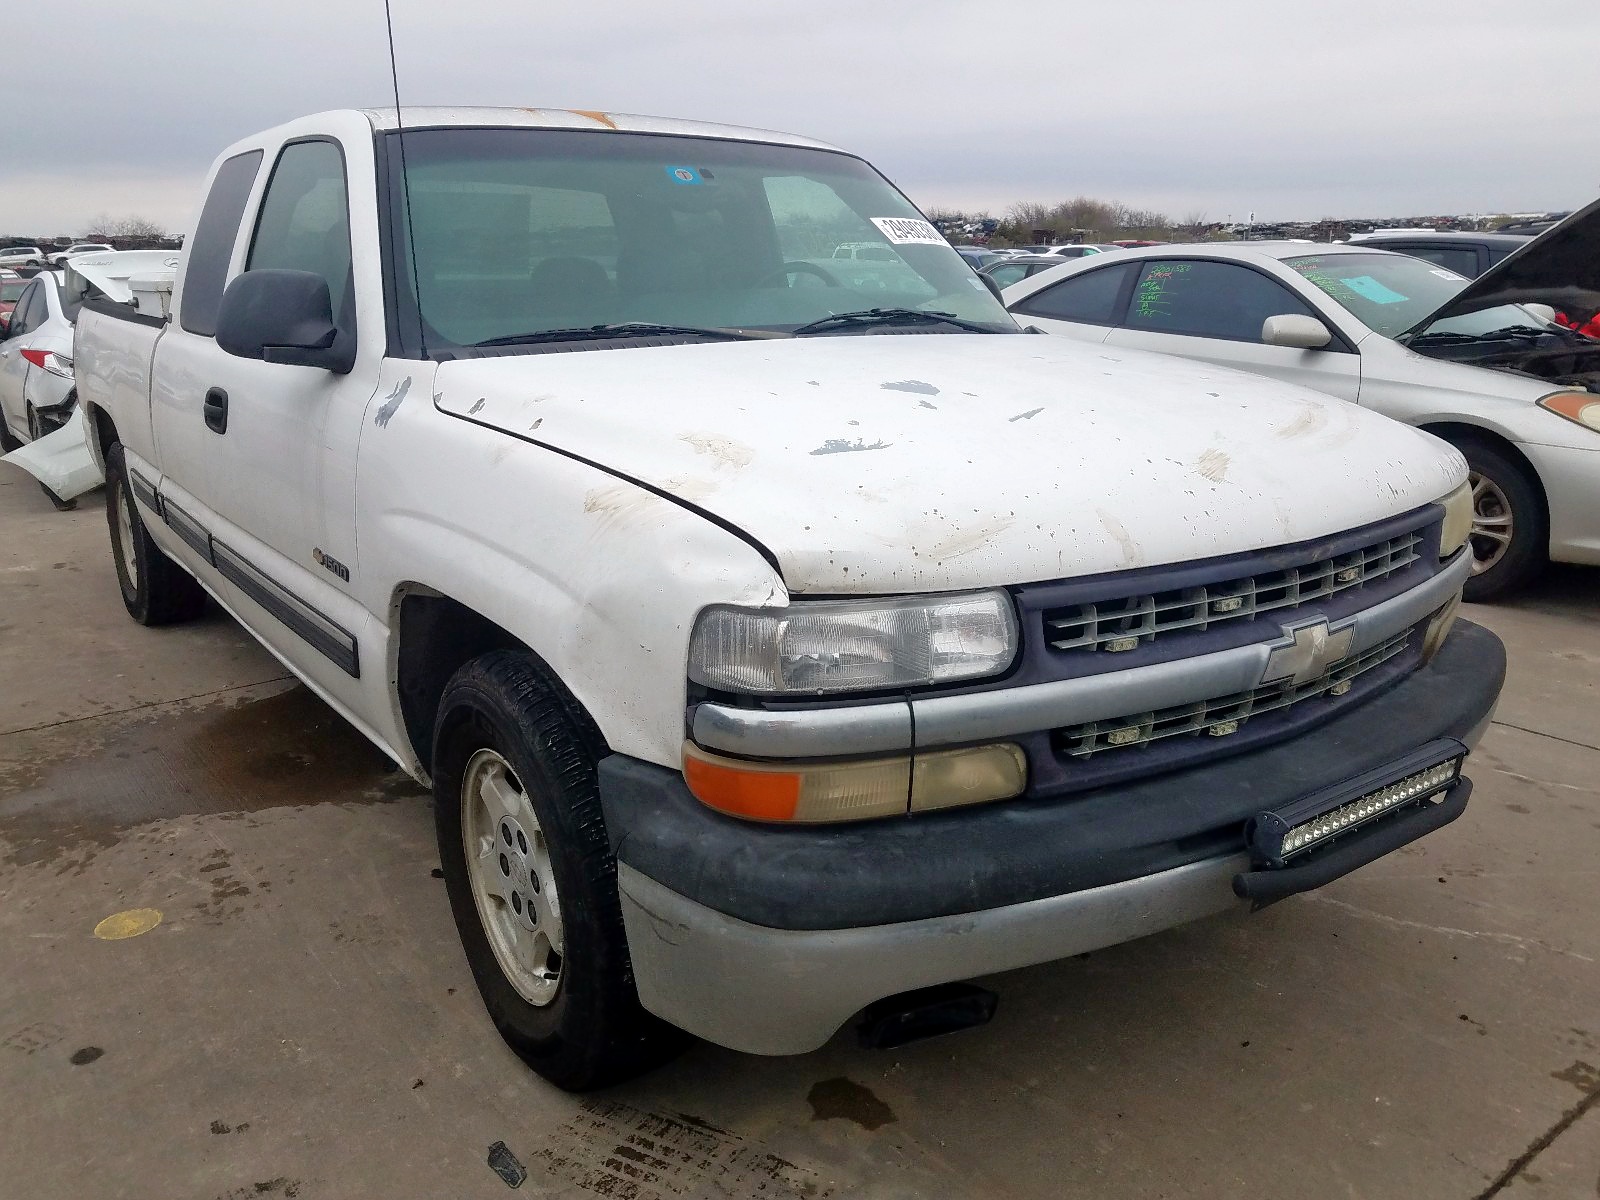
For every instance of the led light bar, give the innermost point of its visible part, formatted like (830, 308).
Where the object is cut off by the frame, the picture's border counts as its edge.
(1312, 822)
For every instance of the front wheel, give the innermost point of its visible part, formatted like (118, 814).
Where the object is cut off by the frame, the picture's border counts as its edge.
(155, 590)
(1510, 532)
(531, 877)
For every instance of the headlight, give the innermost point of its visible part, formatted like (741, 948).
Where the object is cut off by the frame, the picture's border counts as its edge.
(1582, 407)
(1457, 520)
(815, 647)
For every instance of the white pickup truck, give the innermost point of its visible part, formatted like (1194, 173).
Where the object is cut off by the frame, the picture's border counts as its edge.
(770, 654)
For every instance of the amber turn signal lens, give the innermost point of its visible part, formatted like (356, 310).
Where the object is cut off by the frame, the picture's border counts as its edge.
(802, 792)
(854, 790)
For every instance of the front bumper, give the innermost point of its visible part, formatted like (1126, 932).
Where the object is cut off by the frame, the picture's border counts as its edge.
(1571, 481)
(767, 938)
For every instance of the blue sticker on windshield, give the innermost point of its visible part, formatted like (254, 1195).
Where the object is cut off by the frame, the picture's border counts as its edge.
(1369, 288)
(684, 175)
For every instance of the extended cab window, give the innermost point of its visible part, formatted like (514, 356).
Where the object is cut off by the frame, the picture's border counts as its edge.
(210, 250)
(304, 224)
(1207, 299)
(517, 232)
(1092, 298)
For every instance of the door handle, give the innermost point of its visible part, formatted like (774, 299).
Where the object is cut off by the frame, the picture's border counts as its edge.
(216, 409)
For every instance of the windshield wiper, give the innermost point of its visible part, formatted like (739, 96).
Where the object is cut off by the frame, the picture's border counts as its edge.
(890, 316)
(625, 329)
(1510, 331)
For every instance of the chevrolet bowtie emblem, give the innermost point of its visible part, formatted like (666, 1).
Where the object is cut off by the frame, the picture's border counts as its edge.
(1309, 654)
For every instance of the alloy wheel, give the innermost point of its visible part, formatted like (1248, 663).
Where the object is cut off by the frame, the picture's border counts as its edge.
(511, 875)
(1492, 523)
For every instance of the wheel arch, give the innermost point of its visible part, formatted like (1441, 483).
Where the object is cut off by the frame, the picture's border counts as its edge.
(435, 635)
(1456, 431)
(102, 432)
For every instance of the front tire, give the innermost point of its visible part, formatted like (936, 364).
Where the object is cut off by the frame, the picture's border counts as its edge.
(531, 877)
(155, 590)
(1510, 532)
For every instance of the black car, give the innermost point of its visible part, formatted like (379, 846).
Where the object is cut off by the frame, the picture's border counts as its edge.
(1468, 254)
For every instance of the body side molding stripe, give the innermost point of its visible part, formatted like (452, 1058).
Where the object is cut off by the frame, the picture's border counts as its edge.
(331, 640)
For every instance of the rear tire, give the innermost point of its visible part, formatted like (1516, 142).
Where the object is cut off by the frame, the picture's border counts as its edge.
(537, 905)
(155, 590)
(1510, 537)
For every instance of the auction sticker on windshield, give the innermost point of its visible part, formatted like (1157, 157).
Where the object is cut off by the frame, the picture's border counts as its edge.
(1371, 289)
(904, 231)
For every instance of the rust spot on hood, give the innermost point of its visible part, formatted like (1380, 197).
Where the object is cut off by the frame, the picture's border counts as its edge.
(599, 118)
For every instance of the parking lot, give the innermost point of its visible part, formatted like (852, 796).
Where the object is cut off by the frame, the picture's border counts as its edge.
(301, 1022)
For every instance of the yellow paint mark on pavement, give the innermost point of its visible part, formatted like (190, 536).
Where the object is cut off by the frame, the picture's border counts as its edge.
(127, 924)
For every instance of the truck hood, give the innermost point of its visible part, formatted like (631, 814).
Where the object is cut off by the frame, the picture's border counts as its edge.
(938, 462)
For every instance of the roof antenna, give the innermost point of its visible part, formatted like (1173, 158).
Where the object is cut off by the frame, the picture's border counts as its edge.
(405, 181)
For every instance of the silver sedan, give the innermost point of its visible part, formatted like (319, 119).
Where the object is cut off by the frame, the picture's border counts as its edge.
(1480, 364)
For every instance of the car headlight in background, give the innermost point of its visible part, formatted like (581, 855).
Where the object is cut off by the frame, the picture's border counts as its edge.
(828, 646)
(1580, 407)
(1457, 520)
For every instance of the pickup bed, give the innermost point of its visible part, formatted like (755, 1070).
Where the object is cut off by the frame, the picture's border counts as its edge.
(771, 648)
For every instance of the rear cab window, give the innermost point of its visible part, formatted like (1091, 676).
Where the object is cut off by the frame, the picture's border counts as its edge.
(210, 250)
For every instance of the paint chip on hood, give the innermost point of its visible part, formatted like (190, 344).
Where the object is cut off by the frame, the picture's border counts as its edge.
(841, 446)
(910, 385)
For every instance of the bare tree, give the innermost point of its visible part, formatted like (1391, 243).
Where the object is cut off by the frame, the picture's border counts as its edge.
(104, 227)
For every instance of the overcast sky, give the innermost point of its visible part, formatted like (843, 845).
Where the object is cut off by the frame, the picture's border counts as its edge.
(1221, 107)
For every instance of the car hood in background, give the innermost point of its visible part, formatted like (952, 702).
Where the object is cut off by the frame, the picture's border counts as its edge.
(1560, 267)
(942, 461)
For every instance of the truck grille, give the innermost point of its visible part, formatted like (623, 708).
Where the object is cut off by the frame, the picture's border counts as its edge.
(1123, 623)
(1222, 715)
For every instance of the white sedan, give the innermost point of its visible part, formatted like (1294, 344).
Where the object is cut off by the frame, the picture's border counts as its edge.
(59, 259)
(1512, 390)
(36, 389)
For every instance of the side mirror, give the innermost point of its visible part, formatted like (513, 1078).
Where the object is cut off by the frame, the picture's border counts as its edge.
(1544, 312)
(1295, 331)
(283, 317)
(989, 282)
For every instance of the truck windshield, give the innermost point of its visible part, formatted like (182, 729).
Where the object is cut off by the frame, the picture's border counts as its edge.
(513, 232)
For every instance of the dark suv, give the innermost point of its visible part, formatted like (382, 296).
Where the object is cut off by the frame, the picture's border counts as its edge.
(1469, 254)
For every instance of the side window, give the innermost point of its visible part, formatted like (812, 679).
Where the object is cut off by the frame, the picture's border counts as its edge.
(1006, 275)
(1463, 260)
(20, 312)
(1207, 299)
(209, 250)
(304, 223)
(37, 311)
(1090, 298)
